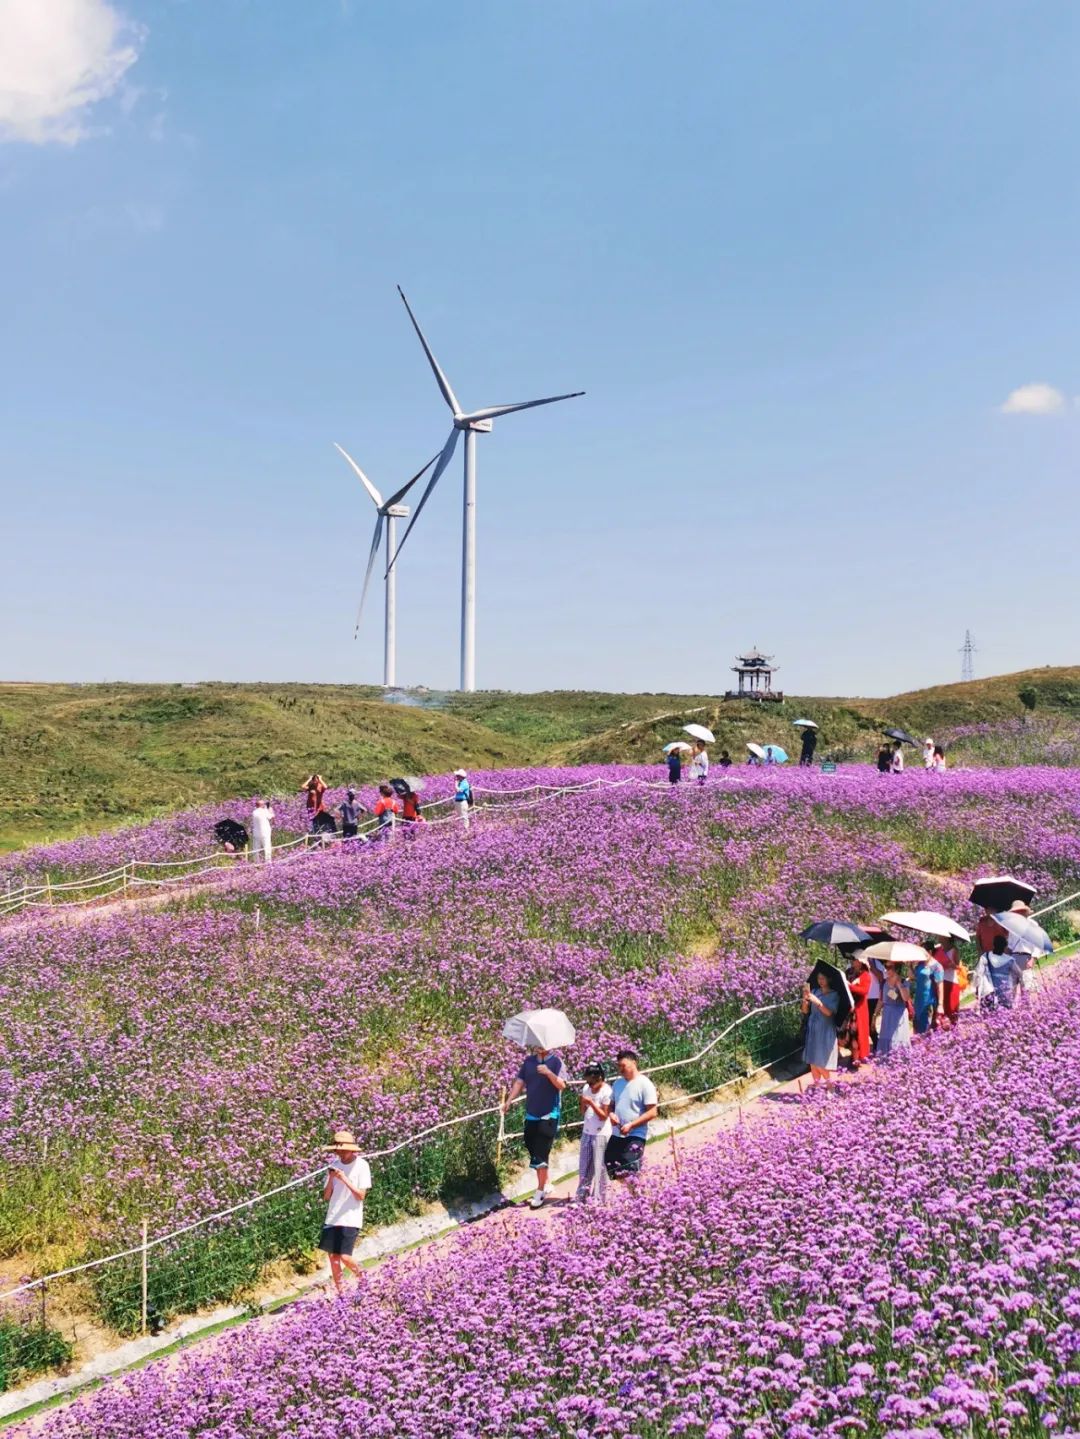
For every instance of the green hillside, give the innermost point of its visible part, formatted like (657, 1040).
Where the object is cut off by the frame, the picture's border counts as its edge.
(79, 757)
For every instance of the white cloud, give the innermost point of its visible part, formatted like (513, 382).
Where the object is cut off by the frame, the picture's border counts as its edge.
(1036, 399)
(57, 57)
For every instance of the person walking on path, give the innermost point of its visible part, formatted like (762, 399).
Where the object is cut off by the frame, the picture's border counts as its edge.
(347, 1186)
(1001, 976)
(350, 811)
(860, 982)
(410, 813)
(873, 1002)
(674, 766)
(595, 1133)
(821, 1049)
(463, 797)
(986, 931)
(895, 1025)
(386, 811)
(262, 819)
(809, 745)
(541, 1080)
(314, 789)
(947, 957)
(634, 1105)
(928, 978)
(699, 764)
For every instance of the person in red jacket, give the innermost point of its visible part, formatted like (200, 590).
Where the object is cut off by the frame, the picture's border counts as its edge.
(859, 981)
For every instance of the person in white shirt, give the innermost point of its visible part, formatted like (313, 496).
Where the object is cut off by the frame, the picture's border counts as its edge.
(347, 1185)
(896, 764)
(699, 764)
(928, 754)
(262, 817)
(595, 1133)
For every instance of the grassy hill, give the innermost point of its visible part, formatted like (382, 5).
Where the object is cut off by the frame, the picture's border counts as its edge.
(79, 757)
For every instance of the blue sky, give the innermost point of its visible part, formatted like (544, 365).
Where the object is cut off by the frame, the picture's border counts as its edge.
(799, 256)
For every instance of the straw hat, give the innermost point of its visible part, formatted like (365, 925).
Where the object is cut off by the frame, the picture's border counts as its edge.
(344, 1139)
(1018, 906)
(461, 774)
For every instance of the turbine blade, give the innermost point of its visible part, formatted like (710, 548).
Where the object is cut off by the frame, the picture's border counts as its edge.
(372, 491)
(397, 498)
(494, 411)
(443, 383)
(436, 474)
(370, 567)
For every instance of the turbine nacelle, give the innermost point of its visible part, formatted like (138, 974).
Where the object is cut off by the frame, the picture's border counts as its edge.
(466, 422)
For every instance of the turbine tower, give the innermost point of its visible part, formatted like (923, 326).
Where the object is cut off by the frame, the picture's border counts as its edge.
(471, 423)
(387, 512)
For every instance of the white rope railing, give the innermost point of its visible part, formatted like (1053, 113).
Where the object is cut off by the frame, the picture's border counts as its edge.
(411, 1142)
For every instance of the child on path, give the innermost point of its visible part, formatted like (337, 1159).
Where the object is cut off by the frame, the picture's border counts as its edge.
(595, 1133)
(347, 1185)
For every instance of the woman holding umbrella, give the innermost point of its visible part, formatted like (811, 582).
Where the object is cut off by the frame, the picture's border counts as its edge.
(822, 1006)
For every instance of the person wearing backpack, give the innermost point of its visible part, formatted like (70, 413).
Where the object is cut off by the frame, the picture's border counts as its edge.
(463, 797)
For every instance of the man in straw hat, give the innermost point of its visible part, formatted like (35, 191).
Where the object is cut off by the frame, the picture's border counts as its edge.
(347, 1185)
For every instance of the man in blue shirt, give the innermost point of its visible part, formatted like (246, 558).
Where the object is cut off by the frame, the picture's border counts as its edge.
(541, 1081)
(634, 1106)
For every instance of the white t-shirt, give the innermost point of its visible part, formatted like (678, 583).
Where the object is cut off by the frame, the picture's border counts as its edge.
(896, 764)
(699, 765)
(260, 823)
(344, 1207)
(593, 1123)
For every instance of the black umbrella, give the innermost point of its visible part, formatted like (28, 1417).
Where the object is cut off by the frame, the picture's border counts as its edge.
(900, 734)
(836, 932)
(839, 986)
(876, 932)
(1000, 891)
(323, 823)
(401, 787)
(231, 831)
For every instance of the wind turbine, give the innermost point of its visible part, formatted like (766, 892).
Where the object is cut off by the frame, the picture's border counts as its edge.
(387, 512)
(472, 423)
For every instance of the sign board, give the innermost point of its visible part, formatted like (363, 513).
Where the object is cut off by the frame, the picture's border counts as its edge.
(828, 767)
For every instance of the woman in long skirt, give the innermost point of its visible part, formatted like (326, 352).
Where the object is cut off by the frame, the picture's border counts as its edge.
(895, 1024)
(821, 1050)
(858, 1025)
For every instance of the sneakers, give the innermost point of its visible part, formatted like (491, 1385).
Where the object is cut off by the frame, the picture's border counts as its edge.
(537, 1200)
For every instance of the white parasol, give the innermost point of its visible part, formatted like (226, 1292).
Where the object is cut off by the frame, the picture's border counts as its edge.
(926, 921)
(700, 732)
(540, 1029)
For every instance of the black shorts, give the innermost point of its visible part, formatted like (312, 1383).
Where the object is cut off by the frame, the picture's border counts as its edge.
(338, 1239)
(624, 1155)
(539, 1137)
(349, 831)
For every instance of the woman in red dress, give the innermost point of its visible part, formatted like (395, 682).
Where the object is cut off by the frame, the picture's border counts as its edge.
(859, 1025)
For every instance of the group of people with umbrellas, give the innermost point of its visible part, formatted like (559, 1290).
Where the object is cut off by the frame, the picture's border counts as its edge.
(890, 757)
(696, 756)
(883, 988)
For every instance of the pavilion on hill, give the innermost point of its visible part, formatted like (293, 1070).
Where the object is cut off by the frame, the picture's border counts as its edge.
(755, 672)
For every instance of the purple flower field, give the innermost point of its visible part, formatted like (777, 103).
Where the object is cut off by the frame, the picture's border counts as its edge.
(180, 1059)
(897, 1261)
